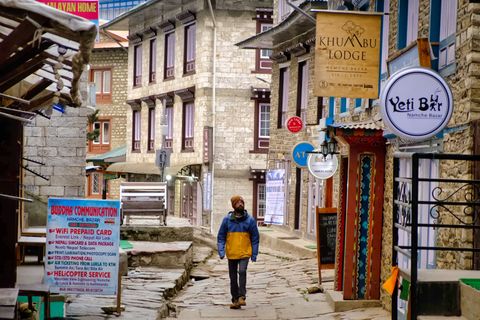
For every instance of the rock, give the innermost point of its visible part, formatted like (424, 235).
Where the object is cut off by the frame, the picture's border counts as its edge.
(315, 289)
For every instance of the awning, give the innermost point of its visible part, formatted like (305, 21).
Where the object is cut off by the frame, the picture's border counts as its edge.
(115, 155)
(295, 24)
(367, 125)
(133, 167)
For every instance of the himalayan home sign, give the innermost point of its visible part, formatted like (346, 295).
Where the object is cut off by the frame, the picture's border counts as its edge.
(347, 54)
(416, 112)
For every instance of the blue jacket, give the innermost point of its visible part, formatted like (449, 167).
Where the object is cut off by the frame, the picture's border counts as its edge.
(239, 236)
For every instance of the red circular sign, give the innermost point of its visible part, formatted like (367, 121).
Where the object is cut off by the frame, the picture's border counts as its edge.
(294, 124)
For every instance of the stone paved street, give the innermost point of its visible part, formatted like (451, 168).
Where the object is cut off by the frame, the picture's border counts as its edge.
(276, 289)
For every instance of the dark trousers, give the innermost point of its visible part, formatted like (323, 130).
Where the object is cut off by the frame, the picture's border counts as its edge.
(237, 269)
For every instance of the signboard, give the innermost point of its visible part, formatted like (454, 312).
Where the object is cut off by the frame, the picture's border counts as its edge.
(320, 167)
(83, 238)
(416, 112)
(300, 153)
(327, 235)
(275, 196)
(294, 124)
(347, 54)
(87, 9)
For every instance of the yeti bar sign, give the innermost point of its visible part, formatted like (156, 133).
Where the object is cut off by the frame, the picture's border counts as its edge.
(416, 104)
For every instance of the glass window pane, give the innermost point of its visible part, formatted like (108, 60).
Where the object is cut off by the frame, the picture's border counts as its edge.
(97, 79)
(96, 127)
(106, 133)
(107, 76)
(95, 183)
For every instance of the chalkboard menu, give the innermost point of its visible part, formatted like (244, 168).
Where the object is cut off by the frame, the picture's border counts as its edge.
(327, 233)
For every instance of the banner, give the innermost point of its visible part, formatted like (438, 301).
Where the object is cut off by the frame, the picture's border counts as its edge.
(347, 54)
(83, 238)
(275, 197)
(87, 9)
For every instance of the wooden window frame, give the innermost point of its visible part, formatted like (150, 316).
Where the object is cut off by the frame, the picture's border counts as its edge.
(302, 91)
(136, 143)
(101, 146)
(283, 95)
(261, 144)
(189, 64)
(188, 137)
(152, 64)
(262, 64)
(169, 119)
(151, 130)
(137, 65)
(102, 97)
(169, 71)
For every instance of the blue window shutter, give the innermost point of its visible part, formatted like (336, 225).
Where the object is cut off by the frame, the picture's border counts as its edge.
(358, 103)
(435, 16)
(402, 24)
(331, 107)
(343, 105)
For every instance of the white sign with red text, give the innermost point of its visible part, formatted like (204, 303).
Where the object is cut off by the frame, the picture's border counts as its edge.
(83, 237)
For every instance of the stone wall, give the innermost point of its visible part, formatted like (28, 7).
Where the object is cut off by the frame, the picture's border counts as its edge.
(60, 144)
(116, 111)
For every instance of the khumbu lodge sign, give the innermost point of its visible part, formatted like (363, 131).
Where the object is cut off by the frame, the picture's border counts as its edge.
(347, 54)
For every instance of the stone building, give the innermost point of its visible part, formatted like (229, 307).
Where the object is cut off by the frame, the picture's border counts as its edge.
(435, 34)
(199, 99)
(108, 71)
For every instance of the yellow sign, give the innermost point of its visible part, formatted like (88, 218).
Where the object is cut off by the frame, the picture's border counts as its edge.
(347, 54)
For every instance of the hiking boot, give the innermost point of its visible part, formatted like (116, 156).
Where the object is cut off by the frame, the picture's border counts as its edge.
(241, 301)
(235, 305)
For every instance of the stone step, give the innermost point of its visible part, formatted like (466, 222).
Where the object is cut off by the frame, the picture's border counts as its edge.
(175, 254)
(144, 295)
(177, 229)
(338, 304)
(440, 318)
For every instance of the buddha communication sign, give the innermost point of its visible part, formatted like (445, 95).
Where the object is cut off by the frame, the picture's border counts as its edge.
(347, 54)
(82, 252)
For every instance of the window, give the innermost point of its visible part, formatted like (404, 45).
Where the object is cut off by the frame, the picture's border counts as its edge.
(262, 139)
(95, 183)
(407, 22)
(261, 200)
(262, 62)
(101, 143)
(169, 71)
(302, 91)
(137, 66)
(188, 125)
(448, 29)
(153, 61)
(103, 84)
(385, 30)
(169, 135)
(283, 97)
(189, 63)
(151, 129)
(136, 130)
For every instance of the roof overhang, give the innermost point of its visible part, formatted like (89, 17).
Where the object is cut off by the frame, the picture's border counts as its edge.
(42, 54)
(292, 26)
(133, 167)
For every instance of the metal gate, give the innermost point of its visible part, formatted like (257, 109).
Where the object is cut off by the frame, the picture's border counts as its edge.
(427, 207)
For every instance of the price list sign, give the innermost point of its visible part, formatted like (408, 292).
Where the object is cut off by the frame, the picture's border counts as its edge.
(83, 238)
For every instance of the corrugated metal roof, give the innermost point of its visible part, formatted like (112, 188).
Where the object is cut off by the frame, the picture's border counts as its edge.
(368, 125)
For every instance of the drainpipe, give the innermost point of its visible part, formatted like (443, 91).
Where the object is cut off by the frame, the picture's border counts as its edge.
(214, 106)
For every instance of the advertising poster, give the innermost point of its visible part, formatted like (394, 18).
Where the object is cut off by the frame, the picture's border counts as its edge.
(275, 198)
(83, 238)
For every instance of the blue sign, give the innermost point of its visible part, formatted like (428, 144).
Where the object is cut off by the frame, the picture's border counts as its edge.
(300, 153)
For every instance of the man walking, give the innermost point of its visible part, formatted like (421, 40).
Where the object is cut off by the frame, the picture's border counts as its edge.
(239, 233)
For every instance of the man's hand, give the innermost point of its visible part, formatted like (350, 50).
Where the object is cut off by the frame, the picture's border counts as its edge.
(221, 257)
(254, 259)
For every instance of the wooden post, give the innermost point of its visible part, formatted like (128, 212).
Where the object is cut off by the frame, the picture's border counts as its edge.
(119, 293)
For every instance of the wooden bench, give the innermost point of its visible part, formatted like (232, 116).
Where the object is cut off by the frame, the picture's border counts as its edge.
(36, 290)
(8, 303)
(25, 241)
(144, 199)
